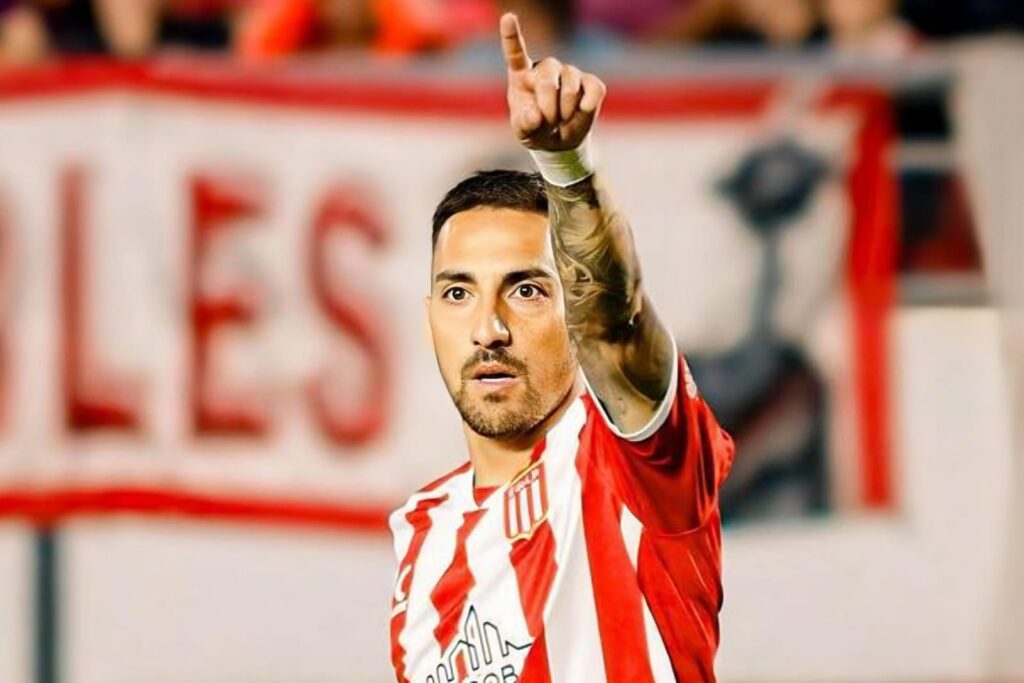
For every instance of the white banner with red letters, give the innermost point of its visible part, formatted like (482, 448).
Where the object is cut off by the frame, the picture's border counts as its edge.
(211, 285)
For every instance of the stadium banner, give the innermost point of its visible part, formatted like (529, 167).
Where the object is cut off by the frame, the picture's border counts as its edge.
(212, 284)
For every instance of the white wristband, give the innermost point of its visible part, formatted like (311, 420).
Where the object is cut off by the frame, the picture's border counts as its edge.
(567, 167)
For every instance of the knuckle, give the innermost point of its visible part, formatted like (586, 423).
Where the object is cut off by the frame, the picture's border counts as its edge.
(549, 66)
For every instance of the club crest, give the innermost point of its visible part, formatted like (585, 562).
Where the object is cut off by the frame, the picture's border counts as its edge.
(526, 502)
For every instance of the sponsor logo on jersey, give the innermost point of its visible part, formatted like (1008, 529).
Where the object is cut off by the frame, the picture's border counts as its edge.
(480, 655)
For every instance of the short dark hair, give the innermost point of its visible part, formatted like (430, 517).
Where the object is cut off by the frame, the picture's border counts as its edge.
(499, 189)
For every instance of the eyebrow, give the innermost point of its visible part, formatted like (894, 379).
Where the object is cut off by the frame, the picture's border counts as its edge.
(512, 277)
(454, 276)
(526, 274)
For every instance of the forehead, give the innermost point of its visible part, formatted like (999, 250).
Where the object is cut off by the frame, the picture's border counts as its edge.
(485, 240)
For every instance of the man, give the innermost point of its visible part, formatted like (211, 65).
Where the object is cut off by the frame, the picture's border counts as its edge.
(581, 541)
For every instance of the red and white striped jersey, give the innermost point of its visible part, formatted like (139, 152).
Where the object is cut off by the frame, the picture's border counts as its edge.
(601, 561)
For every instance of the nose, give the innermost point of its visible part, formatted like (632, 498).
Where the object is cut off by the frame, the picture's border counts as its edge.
(490, 329)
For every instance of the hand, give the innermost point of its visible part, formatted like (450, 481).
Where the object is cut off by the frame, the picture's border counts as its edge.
(552, 106)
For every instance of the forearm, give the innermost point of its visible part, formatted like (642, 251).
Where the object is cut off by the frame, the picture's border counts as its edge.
(596, 263)
(622, 344)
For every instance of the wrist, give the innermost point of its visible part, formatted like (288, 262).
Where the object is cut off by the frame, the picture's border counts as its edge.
(565, 167)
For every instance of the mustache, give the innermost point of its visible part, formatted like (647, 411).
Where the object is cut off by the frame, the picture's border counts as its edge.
(498, 355)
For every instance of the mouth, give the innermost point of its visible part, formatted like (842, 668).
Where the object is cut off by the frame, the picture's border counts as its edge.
(493, 376)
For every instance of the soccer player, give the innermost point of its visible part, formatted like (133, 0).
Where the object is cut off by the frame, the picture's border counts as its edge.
(581, 540)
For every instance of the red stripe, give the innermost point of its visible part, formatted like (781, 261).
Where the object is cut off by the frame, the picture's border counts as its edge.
(221, 80)
(419, 519)
(452, 590)
(49, 507)
(871, 275)
(533, 560)
(535, 668)
(460, 668)
(617, 597)
(681, 579)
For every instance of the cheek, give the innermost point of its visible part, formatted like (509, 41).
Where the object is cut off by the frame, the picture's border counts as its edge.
(447, 348)
(551, 349)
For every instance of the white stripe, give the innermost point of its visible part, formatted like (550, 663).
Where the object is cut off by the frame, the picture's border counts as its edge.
(573, 637)
(495, 597)
(535, 496)
(417, 638)
(522, 511)
(661, 665)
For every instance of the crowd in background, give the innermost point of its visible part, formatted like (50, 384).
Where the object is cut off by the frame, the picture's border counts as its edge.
(264, 30)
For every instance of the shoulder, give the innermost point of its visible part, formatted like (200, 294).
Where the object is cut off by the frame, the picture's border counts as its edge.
(433, 495)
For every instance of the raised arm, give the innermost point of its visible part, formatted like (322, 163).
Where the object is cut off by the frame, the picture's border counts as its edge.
(625, 351)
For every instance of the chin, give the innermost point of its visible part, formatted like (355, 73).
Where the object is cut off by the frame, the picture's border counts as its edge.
(503, 423)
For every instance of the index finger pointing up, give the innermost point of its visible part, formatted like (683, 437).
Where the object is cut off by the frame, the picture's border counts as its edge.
(512, 44)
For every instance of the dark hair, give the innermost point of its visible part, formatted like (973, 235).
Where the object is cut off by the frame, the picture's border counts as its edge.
(499, 189)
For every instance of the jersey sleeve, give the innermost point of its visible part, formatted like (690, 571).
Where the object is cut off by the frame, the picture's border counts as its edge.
(668, 473)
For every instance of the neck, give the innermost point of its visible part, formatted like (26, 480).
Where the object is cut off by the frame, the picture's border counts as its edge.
(496, 460)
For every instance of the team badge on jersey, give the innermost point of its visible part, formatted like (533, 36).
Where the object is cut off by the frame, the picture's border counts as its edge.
(526, 502)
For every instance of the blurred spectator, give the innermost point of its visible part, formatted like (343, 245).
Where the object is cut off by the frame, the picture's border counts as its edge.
(952, 18)
(197, 24)
(31, 30)
(23, 38)
(275, 28)
(692, 21)
(865, 28)
(70, 25)
(553, 31)
(633, 19)
(128, 27)
(741, 23)
(768, 23)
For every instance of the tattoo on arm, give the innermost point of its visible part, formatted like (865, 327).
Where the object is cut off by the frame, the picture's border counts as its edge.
(618, 336)
(596, 263)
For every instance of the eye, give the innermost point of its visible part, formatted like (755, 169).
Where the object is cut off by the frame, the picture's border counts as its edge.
(528, 291)
(455, 294)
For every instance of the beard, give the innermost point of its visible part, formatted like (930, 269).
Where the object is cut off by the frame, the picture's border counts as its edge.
(501, 418)
(495, 416)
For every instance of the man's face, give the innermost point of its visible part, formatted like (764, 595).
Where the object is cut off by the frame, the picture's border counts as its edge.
(498, 321)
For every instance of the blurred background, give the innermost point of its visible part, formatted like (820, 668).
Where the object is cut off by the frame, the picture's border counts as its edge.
(216, 381)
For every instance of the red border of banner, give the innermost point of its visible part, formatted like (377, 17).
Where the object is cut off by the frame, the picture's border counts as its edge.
(871, 275)
(870, 270)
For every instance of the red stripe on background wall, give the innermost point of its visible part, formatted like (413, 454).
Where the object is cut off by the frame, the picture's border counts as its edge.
(51, 506)
(434, 95)
(871, 270)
